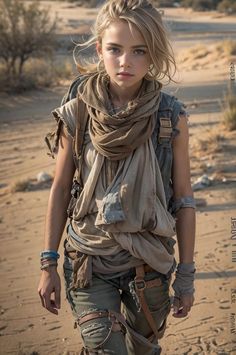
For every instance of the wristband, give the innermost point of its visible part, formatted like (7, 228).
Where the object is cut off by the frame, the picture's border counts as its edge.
(184, 279)
(47, 265)
(49, 254)
(186, 268)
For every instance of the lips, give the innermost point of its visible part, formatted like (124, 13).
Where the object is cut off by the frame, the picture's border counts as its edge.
(124, 74)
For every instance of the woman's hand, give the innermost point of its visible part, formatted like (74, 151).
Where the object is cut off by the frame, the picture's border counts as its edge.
(182, 305)
(50, 290)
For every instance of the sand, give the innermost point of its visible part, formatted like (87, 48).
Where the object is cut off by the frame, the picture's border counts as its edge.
(25, 327)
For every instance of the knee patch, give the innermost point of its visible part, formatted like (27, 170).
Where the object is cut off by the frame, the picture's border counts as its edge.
(96, 328)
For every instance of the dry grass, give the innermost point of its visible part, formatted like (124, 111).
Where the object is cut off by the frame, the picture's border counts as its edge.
(20, 186)
(227, 47)
(210, 143)
(203, 56)
(38, 72)
(229, 113)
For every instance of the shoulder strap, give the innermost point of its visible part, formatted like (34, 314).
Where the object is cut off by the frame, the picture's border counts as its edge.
(166, 127)
(80, 127)
(165, 131)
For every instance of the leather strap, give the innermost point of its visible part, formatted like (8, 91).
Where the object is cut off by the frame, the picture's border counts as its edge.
(116, 318)
(92, 315)
(140, 285)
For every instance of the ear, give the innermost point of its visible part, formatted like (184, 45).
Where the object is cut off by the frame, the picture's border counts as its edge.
(99, 49)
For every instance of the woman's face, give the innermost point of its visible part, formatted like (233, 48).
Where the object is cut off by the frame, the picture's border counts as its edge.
(125, 54)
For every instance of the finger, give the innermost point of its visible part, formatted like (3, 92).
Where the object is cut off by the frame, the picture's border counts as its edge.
(50, 304)
(176, 305)
(181, 314)
(53, 307)
(41, 298)
(187, 302)
(58, 297)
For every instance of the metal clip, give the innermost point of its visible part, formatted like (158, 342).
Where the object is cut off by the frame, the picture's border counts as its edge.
(134, 295)
(76, 189)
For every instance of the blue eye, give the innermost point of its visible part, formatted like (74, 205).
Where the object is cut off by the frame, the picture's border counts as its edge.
(113, 49)
(140, 51)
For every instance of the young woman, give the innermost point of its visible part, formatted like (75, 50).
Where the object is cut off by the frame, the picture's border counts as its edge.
(131, 190)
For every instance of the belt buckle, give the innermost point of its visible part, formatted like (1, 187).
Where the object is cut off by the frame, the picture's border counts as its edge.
(140, 284)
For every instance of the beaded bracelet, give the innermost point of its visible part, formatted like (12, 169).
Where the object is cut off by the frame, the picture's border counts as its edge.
(46, 260)
(46, 265)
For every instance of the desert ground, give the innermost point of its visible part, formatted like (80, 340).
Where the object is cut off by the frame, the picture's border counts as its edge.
(25, 327)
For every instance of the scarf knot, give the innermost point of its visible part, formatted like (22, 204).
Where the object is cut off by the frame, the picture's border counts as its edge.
(117, 135)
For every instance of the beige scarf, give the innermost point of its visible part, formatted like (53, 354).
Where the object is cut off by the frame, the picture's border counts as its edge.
(115, 136)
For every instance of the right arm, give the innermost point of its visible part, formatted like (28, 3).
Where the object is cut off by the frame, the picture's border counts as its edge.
(49, 286)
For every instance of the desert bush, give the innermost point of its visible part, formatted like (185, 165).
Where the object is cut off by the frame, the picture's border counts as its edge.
(210, 143)
(26, 31)
(20, 186)
(39, 72)
(229, 113)
(227, 6)
(227, 46)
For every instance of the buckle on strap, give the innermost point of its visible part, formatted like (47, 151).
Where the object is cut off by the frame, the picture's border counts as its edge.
(165, 122)
(140, 284)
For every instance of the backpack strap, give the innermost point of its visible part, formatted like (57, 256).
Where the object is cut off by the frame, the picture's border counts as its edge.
(80, 127)
(77, 147)
(165, 131)
(167, 121)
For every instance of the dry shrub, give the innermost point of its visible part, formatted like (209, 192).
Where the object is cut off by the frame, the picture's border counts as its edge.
(26, 31)
(205, 56)
(228, 47)
(38, 72)
(20, 186)
(210, 143)
(229, 114)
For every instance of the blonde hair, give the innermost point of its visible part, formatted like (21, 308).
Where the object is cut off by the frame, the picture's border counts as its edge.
(148, 21)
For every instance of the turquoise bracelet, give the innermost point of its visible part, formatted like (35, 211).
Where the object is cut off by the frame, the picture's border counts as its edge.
(49, 254)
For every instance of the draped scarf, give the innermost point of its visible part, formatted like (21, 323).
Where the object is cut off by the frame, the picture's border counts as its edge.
(129, 214)
(115, 136)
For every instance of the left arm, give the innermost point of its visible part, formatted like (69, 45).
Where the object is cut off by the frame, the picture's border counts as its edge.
(185, 223)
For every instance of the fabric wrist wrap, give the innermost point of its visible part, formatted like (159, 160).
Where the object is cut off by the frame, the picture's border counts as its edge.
(184, 279)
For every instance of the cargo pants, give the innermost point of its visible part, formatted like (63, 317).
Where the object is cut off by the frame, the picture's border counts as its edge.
(113, 293)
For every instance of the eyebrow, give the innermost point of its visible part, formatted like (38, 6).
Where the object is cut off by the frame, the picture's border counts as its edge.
(118, 45)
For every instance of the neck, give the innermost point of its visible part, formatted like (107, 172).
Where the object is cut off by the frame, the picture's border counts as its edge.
(120, 96)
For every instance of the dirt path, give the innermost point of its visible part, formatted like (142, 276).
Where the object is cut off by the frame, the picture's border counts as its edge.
(25, 327)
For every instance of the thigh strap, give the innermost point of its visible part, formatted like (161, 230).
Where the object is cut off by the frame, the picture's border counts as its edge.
(140, 286)
(118, 323)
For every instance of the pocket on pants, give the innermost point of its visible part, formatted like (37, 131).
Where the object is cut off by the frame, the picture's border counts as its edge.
(159, 304)
(68, 278)
(158, 297)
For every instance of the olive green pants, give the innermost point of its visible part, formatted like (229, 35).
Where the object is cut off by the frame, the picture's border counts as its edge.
(112, 294)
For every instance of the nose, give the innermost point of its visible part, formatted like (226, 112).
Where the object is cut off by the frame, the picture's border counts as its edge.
(125, 61)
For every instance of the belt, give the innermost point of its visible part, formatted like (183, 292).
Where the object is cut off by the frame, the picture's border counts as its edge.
(72, 254)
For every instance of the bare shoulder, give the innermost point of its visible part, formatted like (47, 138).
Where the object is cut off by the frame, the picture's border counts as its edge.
(64, 160)
(182, 138)
(181, 163)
